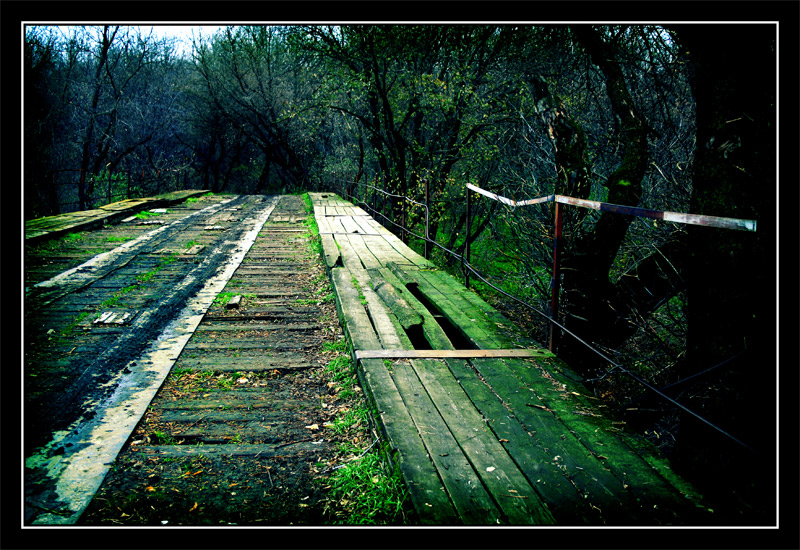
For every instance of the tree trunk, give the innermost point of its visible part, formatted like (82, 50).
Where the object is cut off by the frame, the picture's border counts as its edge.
(587, 263)
(103, 47)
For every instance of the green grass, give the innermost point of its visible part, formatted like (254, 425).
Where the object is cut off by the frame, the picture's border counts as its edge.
(143, 215)
(70, 329)
(224, 297)
(374, 491)
(351, 420)
(73, 237)
(340, 346)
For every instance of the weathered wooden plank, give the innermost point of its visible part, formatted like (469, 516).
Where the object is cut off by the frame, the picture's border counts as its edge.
(511, 490)
(217, 414)
(323, 224)
(589, 473)
(596, 433)
(364, 225)
(431, 330)
(335, 225)
(207, 327)
(463, 315)
(254, 450)
(448, 353)
(368, 259)
(551, 481)
(419, 473)
(350, 258)
(406, 315)
(385, 252)
(473, 502)
(349, 225)
(497, 322)
(389, 332)
(257, 344)
(356, 321)
(261, 362)
(330, 250)
(406, 251)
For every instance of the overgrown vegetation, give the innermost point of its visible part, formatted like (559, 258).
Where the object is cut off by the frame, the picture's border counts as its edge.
(647, 115)
(366, 486)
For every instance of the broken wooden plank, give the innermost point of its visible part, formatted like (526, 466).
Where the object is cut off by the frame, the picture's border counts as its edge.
(356, 321)
(406, 315)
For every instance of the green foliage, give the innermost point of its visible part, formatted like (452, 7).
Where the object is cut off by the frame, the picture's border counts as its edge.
(374, 492)
(144, 215)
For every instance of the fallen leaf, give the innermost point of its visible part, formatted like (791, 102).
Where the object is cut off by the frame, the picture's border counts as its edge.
(313, 427)
(193, 508)
(150, 489)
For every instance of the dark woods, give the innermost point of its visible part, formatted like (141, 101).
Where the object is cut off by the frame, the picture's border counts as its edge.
(670, 118)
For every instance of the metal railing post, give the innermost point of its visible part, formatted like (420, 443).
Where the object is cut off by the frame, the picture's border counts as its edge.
(427, 220)
(404, 232)
(556, 282)
(466, 243)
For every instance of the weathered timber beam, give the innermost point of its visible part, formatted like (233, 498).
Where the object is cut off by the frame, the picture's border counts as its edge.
(448, 353)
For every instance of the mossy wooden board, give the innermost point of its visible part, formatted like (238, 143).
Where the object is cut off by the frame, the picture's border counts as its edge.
(406, 315)
(551, 481)
(406, 252)
(461, 314)
(597, 434)
(474, 504)
(419, 473)
(499, 474)
(502, 324)
(587, 469)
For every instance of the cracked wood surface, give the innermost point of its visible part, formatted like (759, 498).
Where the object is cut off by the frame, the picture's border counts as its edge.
(487, 426)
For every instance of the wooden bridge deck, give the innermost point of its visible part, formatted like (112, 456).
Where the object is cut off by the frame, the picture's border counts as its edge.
(54, 226)
(486, 427)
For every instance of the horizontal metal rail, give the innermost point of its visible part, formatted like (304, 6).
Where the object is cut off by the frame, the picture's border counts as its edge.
(676, 217)
(748, 225)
